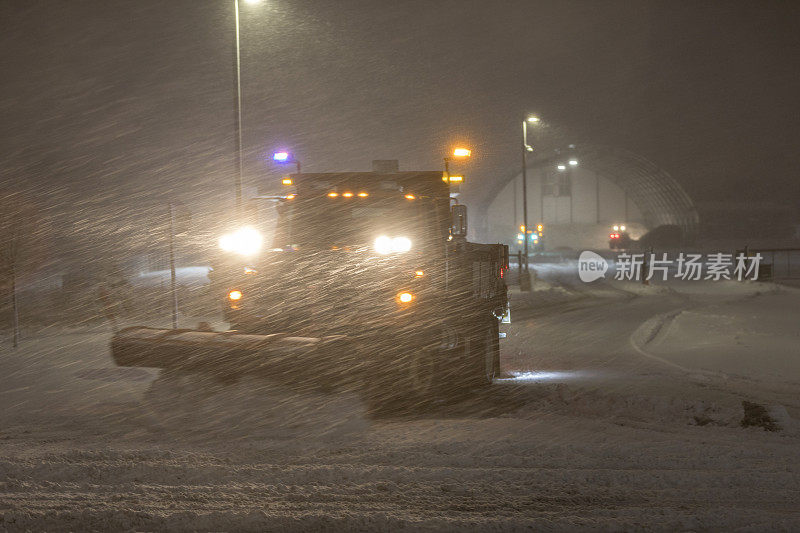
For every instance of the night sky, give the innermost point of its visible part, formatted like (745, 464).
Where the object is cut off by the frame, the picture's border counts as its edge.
(127, 102)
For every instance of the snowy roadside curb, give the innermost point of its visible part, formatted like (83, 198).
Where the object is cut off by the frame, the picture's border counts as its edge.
(543, 294)
(547, 295)
(649, 330)
(634, 409)
(774, 417)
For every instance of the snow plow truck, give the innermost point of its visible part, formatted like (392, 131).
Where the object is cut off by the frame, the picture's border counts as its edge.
(369, 281)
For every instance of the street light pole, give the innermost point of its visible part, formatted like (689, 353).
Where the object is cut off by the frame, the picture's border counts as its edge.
(525, 189)
(457, 153)
(238, 115)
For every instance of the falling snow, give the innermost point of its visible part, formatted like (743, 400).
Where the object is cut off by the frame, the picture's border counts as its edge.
(616, 405)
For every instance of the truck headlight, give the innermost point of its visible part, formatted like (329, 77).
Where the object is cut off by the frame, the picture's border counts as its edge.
(405, 297)
(244, 241)
(387, 245)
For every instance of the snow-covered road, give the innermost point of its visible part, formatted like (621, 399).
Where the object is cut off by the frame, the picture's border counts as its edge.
(611, 422)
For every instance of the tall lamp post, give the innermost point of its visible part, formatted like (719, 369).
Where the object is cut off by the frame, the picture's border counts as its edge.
(458, 152)
(237, 102)
(525, 149)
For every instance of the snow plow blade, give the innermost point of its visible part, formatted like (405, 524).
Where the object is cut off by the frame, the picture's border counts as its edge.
(222, 352)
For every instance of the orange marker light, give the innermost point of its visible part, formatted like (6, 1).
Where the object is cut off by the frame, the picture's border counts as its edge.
(363, 194)
(347, 195)
(287, 181)
(410, 197)
(333, 194)
(419, 273)
(235, 295)
(291, 196)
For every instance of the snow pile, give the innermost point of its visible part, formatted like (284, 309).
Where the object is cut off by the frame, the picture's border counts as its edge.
(624, 407)
(194, 275)
(755, 336)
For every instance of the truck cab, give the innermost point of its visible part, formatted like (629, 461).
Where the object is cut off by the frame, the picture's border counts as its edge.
(381, 258)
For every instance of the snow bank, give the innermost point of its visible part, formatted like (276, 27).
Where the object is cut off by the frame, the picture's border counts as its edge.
(193, 275)
(755, 337)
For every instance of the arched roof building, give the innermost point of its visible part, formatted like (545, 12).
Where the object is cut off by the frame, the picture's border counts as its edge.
(578, 202)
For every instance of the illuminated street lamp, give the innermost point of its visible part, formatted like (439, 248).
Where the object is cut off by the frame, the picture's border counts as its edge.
(567, 167)
(532, 119)
(238, 109)
(458, 152)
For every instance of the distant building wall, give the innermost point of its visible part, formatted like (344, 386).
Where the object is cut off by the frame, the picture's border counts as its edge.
(579, 203)
(586, 208)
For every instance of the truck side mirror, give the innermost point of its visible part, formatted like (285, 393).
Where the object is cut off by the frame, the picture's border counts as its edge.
(458, 224)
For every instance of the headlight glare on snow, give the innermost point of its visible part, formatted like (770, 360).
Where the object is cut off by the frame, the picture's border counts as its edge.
(245, 241)
(387, 245)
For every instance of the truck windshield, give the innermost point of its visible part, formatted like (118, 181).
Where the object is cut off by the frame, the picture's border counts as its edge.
(323, 223)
